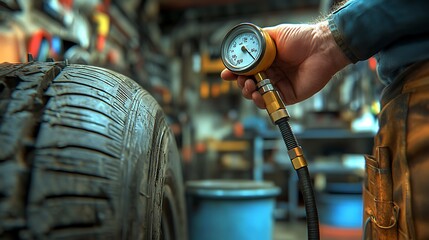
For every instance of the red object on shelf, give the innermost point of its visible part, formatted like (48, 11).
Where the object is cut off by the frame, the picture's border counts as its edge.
(36, 41)
(101, 42)
(372, 63)
(67, 4)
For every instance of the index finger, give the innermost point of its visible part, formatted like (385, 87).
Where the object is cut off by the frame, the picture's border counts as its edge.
(228, 75)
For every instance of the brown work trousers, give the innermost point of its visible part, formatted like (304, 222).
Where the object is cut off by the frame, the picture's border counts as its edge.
(396, 187)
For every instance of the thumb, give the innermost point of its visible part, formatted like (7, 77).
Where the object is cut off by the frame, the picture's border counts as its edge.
(276, 33)
(272, 31)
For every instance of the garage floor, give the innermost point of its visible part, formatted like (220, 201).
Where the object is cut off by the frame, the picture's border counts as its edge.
(285, 230)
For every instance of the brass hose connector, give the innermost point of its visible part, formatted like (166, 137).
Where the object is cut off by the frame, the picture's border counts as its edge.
(275, 107)
(296, 155)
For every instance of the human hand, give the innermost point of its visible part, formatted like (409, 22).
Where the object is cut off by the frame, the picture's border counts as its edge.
(307, 58)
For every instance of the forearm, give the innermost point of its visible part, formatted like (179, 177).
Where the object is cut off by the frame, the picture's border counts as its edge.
(364, 27)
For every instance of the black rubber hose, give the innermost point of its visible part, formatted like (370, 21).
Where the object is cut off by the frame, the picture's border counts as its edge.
(310, 203)
(287, 133)
(305, 184)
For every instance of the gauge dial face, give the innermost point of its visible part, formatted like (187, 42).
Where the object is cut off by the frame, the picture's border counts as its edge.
(247, 50)
(243, 50)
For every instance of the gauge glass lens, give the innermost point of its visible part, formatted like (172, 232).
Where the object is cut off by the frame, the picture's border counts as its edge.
(243, 50)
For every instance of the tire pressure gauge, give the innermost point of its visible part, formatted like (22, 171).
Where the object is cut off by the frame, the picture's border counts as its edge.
(247, 49)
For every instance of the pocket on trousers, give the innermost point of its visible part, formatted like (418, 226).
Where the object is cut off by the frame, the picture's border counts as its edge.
(380, 212)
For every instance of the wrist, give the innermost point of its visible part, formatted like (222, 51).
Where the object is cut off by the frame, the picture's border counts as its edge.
(329, 46)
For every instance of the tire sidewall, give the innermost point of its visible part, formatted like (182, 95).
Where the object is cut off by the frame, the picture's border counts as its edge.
(152, 173)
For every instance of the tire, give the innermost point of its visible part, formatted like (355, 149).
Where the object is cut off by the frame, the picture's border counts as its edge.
(85, 153)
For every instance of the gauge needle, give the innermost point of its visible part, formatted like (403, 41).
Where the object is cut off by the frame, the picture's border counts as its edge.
(244, 49)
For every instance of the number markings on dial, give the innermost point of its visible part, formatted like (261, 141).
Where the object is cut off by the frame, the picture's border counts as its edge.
(243, 50)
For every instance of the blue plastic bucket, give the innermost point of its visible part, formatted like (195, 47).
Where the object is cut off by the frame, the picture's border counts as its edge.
(341, 210)
(230, 209)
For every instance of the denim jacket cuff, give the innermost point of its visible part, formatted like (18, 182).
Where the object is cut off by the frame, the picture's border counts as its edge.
(340, 40)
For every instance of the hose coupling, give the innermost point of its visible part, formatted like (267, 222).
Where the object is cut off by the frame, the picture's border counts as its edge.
(296, 155)
(275, 107)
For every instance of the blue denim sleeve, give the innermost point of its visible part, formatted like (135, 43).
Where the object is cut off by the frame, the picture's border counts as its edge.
(363, 28)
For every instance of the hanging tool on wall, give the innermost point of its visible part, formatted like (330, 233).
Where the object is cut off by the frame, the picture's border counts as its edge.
(102, 20)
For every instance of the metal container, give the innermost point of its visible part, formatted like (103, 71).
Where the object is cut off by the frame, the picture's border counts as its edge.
(230, 209)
